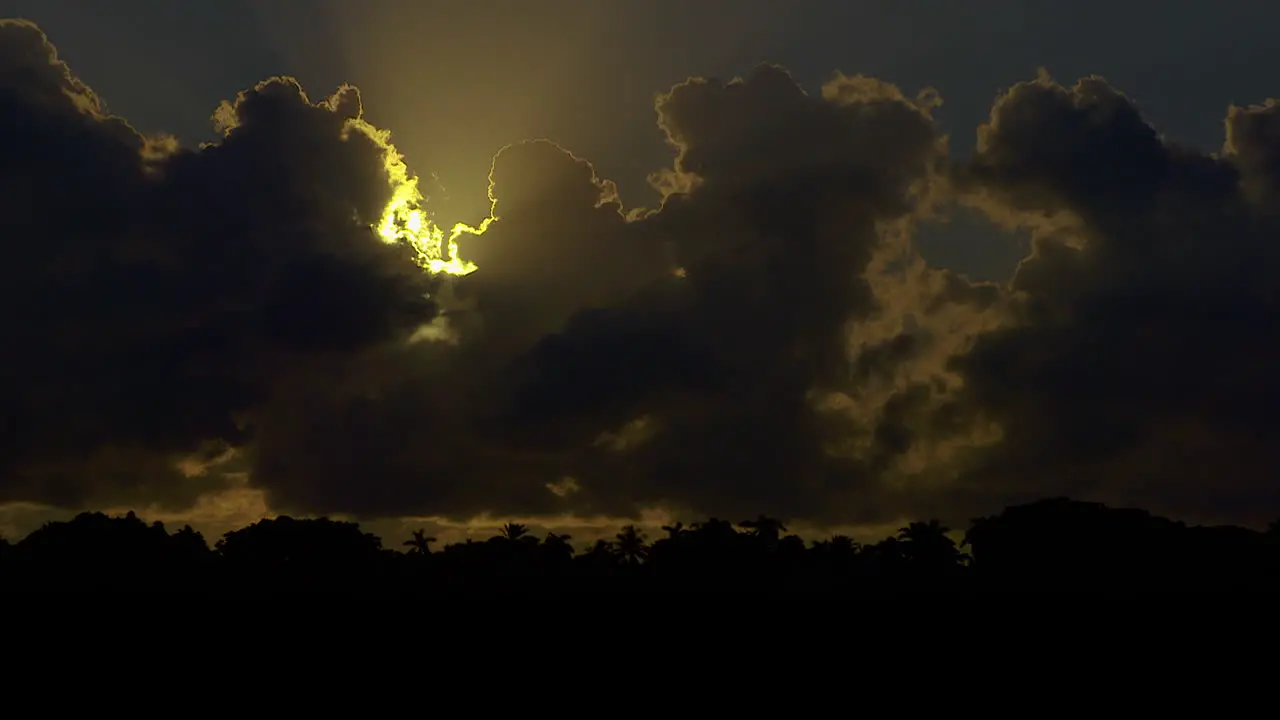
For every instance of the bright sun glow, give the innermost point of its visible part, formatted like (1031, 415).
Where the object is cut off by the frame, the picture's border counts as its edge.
(404, 219)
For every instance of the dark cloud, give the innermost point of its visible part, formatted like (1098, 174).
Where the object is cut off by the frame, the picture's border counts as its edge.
(1140, 367)
(782, 195)
(767, 339)
(152, 296)
(704, 378)
(561, 243)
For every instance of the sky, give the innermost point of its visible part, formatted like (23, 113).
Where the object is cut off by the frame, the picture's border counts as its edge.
(900, 271)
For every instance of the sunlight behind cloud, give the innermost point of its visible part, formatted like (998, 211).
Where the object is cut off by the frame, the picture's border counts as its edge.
(405, 220)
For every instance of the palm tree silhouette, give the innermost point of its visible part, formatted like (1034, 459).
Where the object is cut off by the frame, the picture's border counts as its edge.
(420, 544)
(924, 532)
(844, 545)
(927, 544)
(557, 546)
(631, 545)
(514, 531)
(764, 527)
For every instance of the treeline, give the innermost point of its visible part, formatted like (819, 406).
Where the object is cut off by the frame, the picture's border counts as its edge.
(1054, 544)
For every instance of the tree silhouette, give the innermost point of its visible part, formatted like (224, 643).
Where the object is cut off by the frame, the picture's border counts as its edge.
(766, 528)
(843, 544)
(715, 531)
(600, 559)
(927, 548)
(631, 545)
(307, 552)
(514, 531)
(1051, 544)
(557, 547)
(420, 544)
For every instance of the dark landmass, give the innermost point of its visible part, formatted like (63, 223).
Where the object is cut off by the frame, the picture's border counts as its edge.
(1051, 545)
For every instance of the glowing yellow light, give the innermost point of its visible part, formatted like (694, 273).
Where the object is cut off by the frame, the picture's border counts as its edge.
(404, 219)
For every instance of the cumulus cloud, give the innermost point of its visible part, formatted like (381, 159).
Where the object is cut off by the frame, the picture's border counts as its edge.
(1138, 367)
(153, 297)
(766, 340)
(773, 212)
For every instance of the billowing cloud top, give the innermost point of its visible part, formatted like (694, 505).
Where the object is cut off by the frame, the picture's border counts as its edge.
(766, 340)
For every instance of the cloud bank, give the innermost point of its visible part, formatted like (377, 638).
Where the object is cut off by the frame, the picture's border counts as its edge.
(767, 340)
